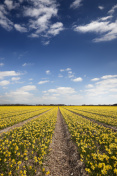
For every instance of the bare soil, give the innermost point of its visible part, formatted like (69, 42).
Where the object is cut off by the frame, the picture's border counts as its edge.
(63, 159)
(19, 124)
(95, 121)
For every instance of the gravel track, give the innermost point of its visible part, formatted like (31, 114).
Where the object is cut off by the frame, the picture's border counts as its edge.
(63, 159)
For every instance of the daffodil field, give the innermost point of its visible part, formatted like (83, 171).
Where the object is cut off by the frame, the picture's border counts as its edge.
(23, 149)
(97, 144)
(105, 114)
(10, 115)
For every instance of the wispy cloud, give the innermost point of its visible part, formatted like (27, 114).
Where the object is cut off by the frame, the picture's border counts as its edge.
(95, 79)
(113, 9)
(45, 42)
(60, 76)
(43, 82)
(105, 27)
(56, 28)
(8, 73)
(1, 64)
(106, 85)
(68, 69)
(4, 83)
(15, 78)
(108, 76)
(26, 64)
(39, 14)
(76, 4)
(89, 86)
(28, 88)
(20, 28)
(62, 90)
(62, 70)
(101, 7)
(79, 79)
(4, 20)
(47, 72)
(21, 95)
(11, 4)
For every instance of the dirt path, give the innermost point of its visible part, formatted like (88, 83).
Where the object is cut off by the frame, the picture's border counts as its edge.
(99, 123)
(63, 159)
(20, 123)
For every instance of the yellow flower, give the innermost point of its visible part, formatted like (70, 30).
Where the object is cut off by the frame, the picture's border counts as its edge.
(88, 170)
(10, 173)
(30, 167)
(43, 169)
(47, 173)
(115, 171)
(26, 158)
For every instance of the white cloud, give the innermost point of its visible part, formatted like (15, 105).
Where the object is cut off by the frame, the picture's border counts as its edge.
(62, 70)
(20, 28)
(4, 83)
(113, 9)
(11, 4)
(15, 78)
(106, 85)
(70, 76)
(44, 91)
(26, 64)
(105, 18)
(68, 69)
(33, 35)
(8, 73)
(43, 82)
(101, 7)
(30, 79)
(47, 72)
(21, 95)
(1, 64)
(79, 79)
(60, 76)
(28, 88)
(40, 13)
(70, 72)
(56, 28)
(89, 86)
(62, 90)
(95, 79)
(108, 76)
(104, 27)
(46, 42)
(4, 21)
(76, 4)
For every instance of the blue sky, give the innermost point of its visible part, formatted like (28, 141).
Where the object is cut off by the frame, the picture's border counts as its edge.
(58, 51)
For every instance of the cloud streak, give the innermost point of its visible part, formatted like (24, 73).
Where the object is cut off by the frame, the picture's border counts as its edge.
(76, 4)
(8, 73)
(105, 27)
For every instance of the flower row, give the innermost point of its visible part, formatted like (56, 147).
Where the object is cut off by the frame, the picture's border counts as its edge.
(23, 149)
(97, 145)
(15, 114)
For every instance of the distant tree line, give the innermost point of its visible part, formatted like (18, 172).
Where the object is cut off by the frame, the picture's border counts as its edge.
(55, 105)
